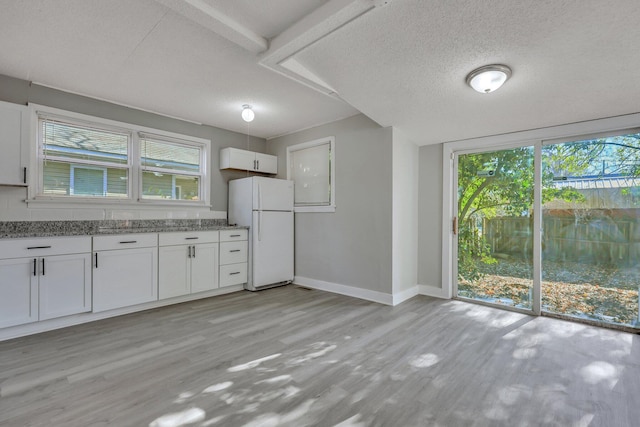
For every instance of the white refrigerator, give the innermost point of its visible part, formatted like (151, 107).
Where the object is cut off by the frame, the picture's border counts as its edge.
(266, 206)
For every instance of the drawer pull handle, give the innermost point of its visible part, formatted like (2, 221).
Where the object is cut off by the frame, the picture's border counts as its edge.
(129, 241)
(231, 274)
(235, 250)
(234, 235)
(191, 238)
(39, 247)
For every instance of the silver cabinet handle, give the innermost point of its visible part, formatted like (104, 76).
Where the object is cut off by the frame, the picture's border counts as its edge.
(194, 251)
(128, 241)
(43, 266)
(35, 264)
(235, 250)
(188, 251)
(191, 238)
(24, 177)
(231, 274)
(234, 235)
(96, 260)
(258, 162)
(39, 247)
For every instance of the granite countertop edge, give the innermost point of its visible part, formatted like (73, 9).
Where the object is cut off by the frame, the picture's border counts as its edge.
(37, 229)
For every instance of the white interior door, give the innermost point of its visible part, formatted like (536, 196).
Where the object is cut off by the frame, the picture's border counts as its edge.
(272, 241)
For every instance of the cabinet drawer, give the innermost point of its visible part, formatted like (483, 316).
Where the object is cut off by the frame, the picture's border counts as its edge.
(187, 238)
(233, 274)
(232, 235)
(45, 246)
(125, 241)
(233, 252)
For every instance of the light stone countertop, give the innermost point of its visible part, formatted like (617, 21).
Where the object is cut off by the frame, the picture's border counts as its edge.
(18, 229)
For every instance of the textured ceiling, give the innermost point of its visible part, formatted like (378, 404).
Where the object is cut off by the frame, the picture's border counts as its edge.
(402, 62)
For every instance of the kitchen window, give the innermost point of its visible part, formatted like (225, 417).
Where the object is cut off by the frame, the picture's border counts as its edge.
(89, 159)
(171, 170)
(312, 168)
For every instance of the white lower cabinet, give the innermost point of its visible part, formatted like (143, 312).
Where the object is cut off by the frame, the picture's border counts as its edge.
(65, 285)
(53, 281)
(188, 263)
(233, 257)
(125, 270)
(18, 292)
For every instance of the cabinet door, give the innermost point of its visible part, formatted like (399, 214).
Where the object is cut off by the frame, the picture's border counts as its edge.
(124, 277)
(266, 163)
(11, 133)
(64, 285)
(174, 274)
(242, 159)
(204, 267)
(18, 292)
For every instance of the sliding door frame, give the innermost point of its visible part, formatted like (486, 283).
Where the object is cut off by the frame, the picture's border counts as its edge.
(535, 138)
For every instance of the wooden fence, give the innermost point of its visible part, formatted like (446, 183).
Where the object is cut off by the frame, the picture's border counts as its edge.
(596, 236)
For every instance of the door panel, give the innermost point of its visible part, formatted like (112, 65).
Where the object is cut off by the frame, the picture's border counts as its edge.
(18, 292)
(272, 240)
(495, 227)
(204, 274)
(591, 222)
(173, 277)
(65, 285)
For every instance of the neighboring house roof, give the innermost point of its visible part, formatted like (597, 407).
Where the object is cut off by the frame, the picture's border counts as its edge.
(598, 182)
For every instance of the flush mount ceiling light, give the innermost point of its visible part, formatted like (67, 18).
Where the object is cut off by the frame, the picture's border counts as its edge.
(488, 78)
(247, 113)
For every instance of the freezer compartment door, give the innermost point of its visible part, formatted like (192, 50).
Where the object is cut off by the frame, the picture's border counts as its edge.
(271, 194)
(272, 242)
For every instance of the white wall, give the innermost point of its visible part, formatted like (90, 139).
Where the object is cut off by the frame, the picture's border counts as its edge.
(350, 250)
(430, 220)
(405, 218)
(13, 208)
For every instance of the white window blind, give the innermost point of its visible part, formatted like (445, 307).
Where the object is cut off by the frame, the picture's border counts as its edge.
(82, 161)
(311, 167)
(171, 170)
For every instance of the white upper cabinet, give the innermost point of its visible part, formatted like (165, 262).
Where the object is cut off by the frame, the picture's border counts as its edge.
(14, 128)
(234, 158)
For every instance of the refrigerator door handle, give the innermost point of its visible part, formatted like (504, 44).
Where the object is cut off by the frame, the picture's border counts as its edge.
(259, 226)
(259, 196)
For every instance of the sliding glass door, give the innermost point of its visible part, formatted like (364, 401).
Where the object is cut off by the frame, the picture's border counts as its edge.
(495, 227)
(584, 263)
(591, 240)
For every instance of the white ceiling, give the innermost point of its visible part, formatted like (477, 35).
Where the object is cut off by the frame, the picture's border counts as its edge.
(302, 63)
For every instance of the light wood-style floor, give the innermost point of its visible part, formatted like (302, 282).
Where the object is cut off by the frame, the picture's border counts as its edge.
(295, 357)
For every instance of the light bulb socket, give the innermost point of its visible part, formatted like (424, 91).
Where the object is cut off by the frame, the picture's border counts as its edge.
(247, 113)
(488, 78)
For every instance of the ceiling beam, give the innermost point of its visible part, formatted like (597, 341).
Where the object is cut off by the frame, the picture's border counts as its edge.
(321, 22)
(214, 20)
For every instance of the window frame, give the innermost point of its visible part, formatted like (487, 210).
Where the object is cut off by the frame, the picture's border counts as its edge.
(331, 207)
(134, 167)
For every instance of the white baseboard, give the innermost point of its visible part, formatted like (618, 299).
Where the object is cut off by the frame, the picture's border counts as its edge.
(400, 297)
(77, 319)
(351, 291)
(433, 291)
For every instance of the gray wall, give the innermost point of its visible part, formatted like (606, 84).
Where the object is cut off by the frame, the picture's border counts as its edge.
(352, 246)
(430, 216)
(21, 92)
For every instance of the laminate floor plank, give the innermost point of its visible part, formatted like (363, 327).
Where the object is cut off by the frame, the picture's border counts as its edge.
(289, 356)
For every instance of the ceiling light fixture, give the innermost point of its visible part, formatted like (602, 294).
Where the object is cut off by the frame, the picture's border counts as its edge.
(488, 78)
(247, 113)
